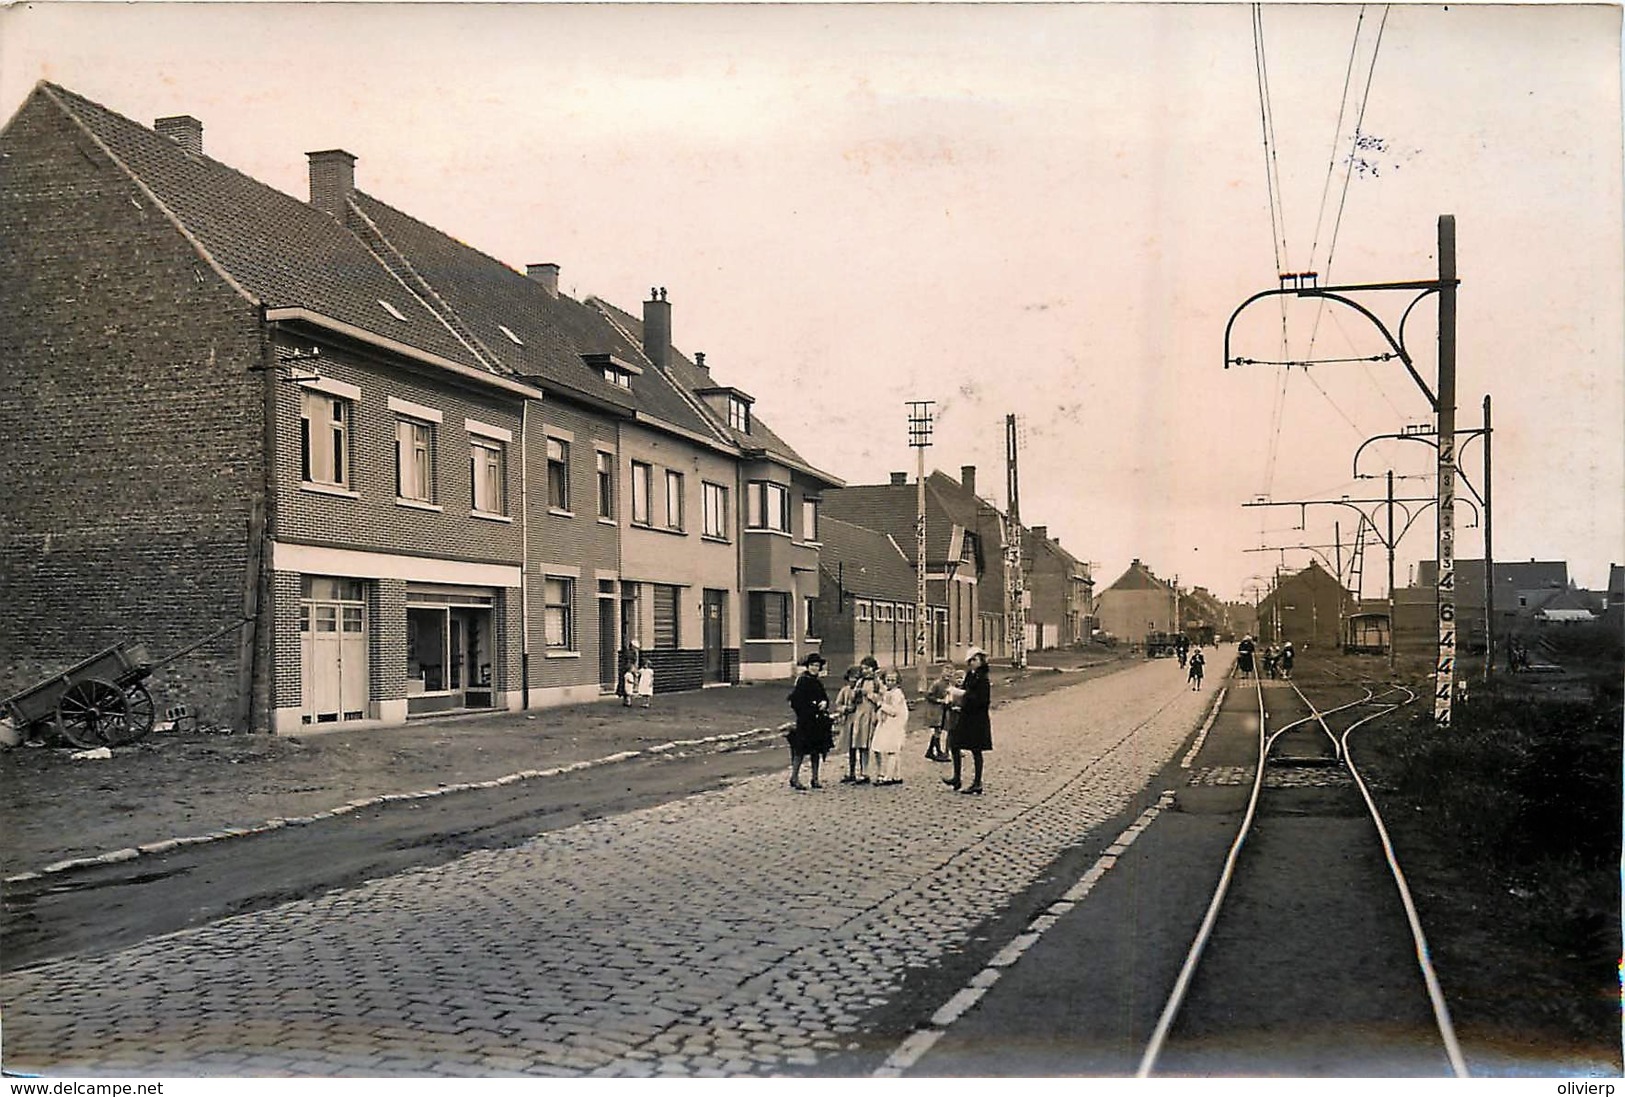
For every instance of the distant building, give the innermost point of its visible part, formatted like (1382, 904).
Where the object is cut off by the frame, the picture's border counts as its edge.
(1060, 590)
(866, 597)
(1308, 607)
(1137, 604)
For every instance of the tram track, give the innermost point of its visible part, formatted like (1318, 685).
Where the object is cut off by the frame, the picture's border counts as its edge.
(1309, 958)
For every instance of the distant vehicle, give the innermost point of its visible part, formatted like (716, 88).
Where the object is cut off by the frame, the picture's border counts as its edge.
(1159, 644)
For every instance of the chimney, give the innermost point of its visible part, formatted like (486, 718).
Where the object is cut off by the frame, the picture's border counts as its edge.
(967, 476)
(1042, 533)
(899, 478)
(699, 360)
(184, 130)
(546, 274)
(332, 180)
(657, 328)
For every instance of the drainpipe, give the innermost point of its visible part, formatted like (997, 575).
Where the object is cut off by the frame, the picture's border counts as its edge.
(524, 553)
(267, 535)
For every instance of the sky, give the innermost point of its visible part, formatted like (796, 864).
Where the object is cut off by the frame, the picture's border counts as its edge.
(1050, 211)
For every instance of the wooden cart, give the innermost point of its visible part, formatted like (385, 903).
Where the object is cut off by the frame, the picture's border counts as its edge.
(99, 702)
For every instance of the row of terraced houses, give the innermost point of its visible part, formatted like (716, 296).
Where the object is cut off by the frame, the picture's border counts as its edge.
(380, 474)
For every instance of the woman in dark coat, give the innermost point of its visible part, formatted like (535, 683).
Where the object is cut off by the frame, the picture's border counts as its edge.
(974, 730)
(1244, 656)
(813, 735)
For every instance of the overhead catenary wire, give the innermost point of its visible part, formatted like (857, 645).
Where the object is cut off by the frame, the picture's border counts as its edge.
(1266, 123)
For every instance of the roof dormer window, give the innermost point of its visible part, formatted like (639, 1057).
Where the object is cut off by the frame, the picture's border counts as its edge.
(618, 377)
(739, 414)
(392, 310)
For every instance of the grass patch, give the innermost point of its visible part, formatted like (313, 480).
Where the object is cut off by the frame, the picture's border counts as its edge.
(1509, 828)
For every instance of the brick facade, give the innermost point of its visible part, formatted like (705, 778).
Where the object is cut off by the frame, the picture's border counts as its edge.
(126, 506)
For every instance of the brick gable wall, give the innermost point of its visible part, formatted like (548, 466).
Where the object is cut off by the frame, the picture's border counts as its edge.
(133, 424)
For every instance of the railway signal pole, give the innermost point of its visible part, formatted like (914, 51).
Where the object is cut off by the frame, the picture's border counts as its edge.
(1307, 285)
(919, 437)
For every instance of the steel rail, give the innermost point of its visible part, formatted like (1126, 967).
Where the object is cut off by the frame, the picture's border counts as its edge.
(1424, 956)
(1176, 999)
(1267, 740)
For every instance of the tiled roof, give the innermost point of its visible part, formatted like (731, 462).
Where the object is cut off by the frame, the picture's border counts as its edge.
(1509, 574)
(485, 296)
(868, 563)
(455, 299)
(684, 372)
(890, 508)
(1138, 577)
(283, 252)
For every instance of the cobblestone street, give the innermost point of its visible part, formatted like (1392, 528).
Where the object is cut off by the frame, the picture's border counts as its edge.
(745, 931)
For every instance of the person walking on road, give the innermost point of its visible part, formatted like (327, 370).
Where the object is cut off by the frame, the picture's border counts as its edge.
(1195, 673)
(974, 731)
(811, 737)
(887, 744)
(1287, 657)
(1182, 648)
(1244, 657)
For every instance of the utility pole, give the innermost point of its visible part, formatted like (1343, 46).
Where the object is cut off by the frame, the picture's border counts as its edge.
(1445, 676)
(919, 436)
(1393, 631)
(1015, 586)
(1489, 556)
(1443, 402)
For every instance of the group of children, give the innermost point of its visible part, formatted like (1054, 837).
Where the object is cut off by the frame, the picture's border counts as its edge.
(866, 720)
(637, 678)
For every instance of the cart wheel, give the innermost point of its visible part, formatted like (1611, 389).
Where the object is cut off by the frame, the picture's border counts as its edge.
(85, 708)
(136, 721)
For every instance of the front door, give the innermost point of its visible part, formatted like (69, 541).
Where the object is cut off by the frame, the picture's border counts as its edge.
(715, 603)
(333, 652)
(608, 649)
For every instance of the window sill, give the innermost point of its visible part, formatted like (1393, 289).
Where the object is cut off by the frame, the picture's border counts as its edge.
(714, 539)
(660, 529)
(561, 654)
(417, 504)
(607, 522)
(771, 532)
(328, 489)
(757, 640)
(811, 544)
(488, 516)
(560, 512)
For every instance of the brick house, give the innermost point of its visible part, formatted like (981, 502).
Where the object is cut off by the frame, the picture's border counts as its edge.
(410, 472)
(1061, 589)
(1138, 603)
(867, 594)
(959, 563)
(769, 502)
(1309, 607)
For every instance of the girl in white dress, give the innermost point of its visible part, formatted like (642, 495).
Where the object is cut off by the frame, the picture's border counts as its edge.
(887, 744)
